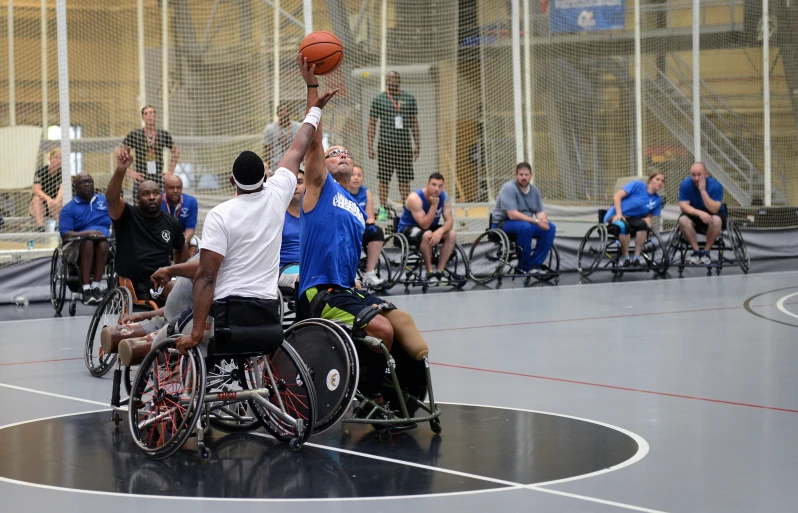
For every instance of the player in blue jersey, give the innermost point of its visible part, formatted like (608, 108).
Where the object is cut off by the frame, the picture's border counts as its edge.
(374, 237)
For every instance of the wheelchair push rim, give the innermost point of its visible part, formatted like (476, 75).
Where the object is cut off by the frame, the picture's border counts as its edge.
(57, 281)
(488, 256)
(117, 304)
(591, 250)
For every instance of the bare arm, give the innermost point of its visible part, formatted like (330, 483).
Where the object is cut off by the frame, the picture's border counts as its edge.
(185, 270)
(39, 192)
(204, 287)
(372, 130)
(423, 220)
(616, 202)
(188, 234)
(113, 194)
(516, 215)
(416, 136)
(713, 207)
(173, 160)
(448, 219)
(315, 172)
(370, 208)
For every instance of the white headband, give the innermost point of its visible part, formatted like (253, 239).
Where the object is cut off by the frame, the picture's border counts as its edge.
(244, 187)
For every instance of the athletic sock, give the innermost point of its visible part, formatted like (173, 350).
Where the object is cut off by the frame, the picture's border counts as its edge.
(95, 284)
(87, 287)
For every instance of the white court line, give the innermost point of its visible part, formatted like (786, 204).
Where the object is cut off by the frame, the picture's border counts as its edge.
(508, 484)
(780, 305)
(47, 319)
(52, 394)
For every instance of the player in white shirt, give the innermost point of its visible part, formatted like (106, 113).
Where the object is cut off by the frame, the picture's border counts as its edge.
(241, 237)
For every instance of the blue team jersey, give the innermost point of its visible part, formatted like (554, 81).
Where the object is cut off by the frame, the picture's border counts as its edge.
(80, 215)
(185, 212)
(689, 192)
(362, 197)
(637, 203)
(330, 238)
(407, 218)
(289, 251)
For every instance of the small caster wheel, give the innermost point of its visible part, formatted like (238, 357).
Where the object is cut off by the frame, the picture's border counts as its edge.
(117, 419)
(424, 288)
(435, 425)
(717, 271)
(73, 306)
(384, 435)
(527, 281)
(205, 454)
(295, 445)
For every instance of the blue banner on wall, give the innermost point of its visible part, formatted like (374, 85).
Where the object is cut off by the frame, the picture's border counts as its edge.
(586, 15)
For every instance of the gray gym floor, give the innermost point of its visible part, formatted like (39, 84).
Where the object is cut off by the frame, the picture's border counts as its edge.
(701, 368)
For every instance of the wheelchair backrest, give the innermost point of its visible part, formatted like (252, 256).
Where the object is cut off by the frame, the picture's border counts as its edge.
(601, 213)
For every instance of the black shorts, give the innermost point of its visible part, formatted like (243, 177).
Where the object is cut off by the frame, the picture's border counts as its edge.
(71, 252)
(701, 227)
(373, 233)
(342, 305)
(397, 159)
(415, 234)
(631, 225)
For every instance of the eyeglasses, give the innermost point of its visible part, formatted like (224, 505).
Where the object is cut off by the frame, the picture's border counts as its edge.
(337, 152)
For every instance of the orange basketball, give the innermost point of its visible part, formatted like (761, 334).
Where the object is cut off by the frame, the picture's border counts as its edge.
(322, 49)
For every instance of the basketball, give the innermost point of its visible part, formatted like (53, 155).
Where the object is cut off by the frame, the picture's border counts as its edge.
(322, 49)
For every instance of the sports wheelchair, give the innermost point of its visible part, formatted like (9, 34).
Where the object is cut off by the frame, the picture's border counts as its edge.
(256, 379)
(64, 275)
(495, 255)
(601, 242)
(402, 257)
(334, 354)
(678, 248)
(117, 302)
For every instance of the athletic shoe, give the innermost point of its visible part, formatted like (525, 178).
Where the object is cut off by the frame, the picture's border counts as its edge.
(536, 272)
(431, 278)
(371, 280)
(77, 296)
(97, 294)
(695, 258)
(635, 262)
(382, 214)
(705, 258)
(627, 262)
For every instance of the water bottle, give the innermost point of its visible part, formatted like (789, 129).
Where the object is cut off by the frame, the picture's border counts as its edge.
(21, 301)
(31, 244)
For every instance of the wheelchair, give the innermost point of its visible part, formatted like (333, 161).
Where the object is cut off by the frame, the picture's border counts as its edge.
(495, 255)
(334, 354)
(117, 302)
(601, 243)
(258, 380)
(730, 238)
(406, 264)
(64, 275)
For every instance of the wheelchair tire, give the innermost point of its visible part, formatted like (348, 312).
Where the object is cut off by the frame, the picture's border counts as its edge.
(115, 304)
(553, 263)
(675, 252)
(395, 248)
(738, 247)
(331, 358)
(591, 250)
(488, 256)
(457, 268)
(57, 281)
(227, 375)
(166, 403)
(655, 253)
(292, 383)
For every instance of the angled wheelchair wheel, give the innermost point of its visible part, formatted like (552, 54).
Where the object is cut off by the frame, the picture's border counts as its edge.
(167, 397)
(395, 250)
(488, 256)
(332, 361)
(57, 281)
(738, 247)
(291, 390)
(227, 375)
(457, 268)
(114, 305)
(591, 250)
(553, 263)
(675, 253)
(655, 253)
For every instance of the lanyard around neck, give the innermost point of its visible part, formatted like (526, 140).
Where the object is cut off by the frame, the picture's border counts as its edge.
(176, 213)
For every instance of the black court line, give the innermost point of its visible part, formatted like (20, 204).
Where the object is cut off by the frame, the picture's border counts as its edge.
(750, 309)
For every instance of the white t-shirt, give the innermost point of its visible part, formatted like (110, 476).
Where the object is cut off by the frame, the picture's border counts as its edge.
(279, 139)
(247, 232)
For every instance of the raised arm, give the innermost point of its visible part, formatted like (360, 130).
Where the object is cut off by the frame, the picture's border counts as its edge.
(204, 287)
(113, 194)
(302, 141)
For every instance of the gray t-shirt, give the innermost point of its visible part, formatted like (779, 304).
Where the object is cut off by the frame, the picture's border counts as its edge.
(511, 197)
(280, 140)
(181, 297)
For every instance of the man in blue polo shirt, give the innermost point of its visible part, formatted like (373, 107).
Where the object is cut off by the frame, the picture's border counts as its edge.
(701, 202)
(84, 224)
(182, 206)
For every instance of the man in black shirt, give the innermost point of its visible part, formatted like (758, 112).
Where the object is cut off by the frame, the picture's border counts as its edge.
(47, 191)
(146, 236)
(148, 143)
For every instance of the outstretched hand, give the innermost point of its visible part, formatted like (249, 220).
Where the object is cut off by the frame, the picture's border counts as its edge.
(123, 157)
(308, 71)
(323, 99)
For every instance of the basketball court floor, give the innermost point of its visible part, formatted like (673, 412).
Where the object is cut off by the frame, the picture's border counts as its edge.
(674, 395)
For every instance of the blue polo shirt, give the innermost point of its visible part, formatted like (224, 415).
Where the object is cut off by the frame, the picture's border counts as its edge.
(80, 215)
(689, 192)
(185, 212)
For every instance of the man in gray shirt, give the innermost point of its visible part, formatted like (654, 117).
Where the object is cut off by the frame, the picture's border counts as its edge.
(519, 212)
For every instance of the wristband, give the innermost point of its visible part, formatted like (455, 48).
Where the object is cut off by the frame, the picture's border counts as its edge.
(311, 86)
(313, 117)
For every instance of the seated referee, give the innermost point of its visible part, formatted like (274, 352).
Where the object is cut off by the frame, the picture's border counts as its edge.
(146, 236)
(86, 218)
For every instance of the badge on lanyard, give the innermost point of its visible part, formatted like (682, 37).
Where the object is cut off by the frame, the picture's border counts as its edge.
(151, 167)
(398, 122)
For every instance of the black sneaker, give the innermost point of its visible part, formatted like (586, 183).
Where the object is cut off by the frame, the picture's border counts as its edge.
(627, 262)
(97, 294)
(635, 262)
(88, 298)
